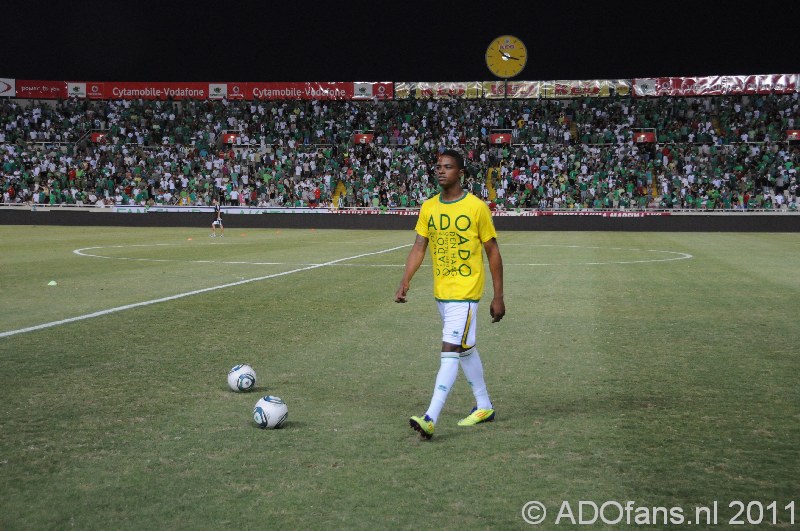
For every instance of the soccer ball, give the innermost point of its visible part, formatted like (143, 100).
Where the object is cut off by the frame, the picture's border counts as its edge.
(242, 378)
(270, 412)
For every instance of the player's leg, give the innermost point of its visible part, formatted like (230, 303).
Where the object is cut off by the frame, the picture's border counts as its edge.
(472, 366)
(445, 378)
(473, 369)
(453, 316)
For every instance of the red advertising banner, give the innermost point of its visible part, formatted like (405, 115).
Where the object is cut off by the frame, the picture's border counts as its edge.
(229, 138)
(644, 137)
(113, 90)
(98, 138)
(500, 138)
(382, 90)
(716, 85)
(95, 90)
(237, 91)
(793, 135)
(44, 90)
(125, 90)
(299, 91)
(363, 138)
(319, 91)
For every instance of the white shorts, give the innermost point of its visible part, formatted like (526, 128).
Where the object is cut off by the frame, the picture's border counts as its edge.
(459, 322)
(217, 223)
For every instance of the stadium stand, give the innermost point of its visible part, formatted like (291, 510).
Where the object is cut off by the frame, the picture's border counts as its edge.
(706, 153)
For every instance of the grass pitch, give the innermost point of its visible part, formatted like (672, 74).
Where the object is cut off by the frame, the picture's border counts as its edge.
(659, 368)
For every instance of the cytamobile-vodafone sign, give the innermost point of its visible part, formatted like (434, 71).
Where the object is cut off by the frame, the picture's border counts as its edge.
(155, 91)
(122, 90)
(318, 91)
(133, 90)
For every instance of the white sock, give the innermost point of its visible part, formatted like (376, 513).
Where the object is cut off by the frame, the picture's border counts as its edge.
(473, 369)
(448, 371)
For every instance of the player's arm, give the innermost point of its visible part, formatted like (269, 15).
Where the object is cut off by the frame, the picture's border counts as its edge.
(497, 309)
(414, 260)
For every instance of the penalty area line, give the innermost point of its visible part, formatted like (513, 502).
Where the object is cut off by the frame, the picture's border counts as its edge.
(188, 294)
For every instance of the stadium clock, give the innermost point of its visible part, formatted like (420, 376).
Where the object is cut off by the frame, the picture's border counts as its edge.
(506, 56)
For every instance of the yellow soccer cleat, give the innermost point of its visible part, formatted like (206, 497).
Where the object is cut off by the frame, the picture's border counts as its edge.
(477, 416)
(423, 424)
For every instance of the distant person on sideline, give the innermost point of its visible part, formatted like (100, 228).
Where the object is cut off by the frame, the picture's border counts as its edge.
(457, 225)
(217, 222)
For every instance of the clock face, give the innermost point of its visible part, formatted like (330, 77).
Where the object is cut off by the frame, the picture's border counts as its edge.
(506, 56)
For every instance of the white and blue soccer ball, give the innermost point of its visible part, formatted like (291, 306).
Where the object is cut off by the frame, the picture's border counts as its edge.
(242, 378)
(270, 412)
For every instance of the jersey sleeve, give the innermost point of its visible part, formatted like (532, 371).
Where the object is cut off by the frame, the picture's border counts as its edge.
(486, 230)
(422, 223)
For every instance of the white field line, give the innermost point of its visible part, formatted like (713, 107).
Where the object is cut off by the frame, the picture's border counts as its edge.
(84, 252)
(187, 294)
(680, 256)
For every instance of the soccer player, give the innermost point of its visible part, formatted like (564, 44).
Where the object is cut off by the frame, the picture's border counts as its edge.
(217, 221)
(456, 225)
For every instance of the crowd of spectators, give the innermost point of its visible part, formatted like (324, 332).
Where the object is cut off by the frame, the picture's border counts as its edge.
(710, 152)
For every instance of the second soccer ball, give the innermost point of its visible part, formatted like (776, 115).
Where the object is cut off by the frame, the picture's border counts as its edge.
(270, 412)
(242, 378)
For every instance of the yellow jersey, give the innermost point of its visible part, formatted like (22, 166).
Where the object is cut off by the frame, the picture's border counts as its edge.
(456, 231)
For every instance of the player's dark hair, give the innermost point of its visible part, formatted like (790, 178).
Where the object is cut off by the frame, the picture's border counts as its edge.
(455, 155)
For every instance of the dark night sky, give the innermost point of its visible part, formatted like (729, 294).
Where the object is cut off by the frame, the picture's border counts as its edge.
(382, 40)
